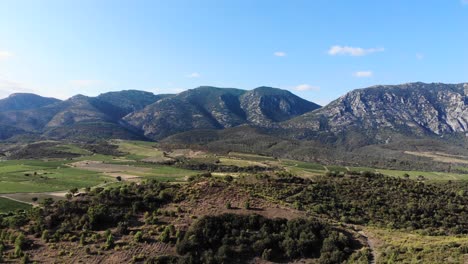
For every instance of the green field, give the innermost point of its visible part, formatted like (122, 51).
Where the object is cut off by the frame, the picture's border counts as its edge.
(162, 173)
(239, 162)
(138, 150)
(428, 175)
(337, 168)
(7, 205)
(303, 165)
(44, 176)
(249, 156)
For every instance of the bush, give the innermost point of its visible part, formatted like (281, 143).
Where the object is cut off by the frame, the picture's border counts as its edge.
(238, 238)
(138, 237)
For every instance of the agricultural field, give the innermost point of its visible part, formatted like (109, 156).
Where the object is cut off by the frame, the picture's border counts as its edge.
(249, 156)
(45, 176)
(428, 175)
(7, 205)
(138, 150)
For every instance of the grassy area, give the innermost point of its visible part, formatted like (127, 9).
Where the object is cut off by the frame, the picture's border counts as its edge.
(429, 175)
(252, 157)
(70, 148)
(38, 197)
(239, 162)
(138, 149)
(7, 205)
(96, 157)
(34, 163)
(405, 247)
(337, 168)
(303, 165)
(165, 173)
(359, 169)
(42, 176)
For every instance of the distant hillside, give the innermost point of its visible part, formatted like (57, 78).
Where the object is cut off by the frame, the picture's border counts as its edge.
(139, 114)
(130, 100)
(78, 117)
(24, 101)
(217, 108)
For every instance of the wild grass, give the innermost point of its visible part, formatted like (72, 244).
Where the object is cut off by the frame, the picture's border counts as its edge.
(428, 175)
(407, 247)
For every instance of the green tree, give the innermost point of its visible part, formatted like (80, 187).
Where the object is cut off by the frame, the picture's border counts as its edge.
(82, 239)
(138, 237)
(110, 243)
(165, 235)
(45, 236)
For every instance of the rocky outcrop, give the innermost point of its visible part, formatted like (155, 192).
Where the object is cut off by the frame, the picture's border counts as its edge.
(417, 108)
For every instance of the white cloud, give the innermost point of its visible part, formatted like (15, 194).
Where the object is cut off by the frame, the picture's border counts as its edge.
(352, 51)
(306, 87)
(363, 74)
(280, 54)
(5, 54)
(194, 75)
(85, 83)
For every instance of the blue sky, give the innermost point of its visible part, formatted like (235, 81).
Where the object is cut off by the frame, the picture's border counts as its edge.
(317, 49)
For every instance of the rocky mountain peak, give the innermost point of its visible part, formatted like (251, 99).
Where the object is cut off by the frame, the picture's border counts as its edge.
(415, 108)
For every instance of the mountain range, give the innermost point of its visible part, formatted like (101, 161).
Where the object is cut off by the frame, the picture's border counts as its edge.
(383, 115)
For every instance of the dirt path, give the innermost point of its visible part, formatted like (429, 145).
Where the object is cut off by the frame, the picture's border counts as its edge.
(16, 200)
(372, 242)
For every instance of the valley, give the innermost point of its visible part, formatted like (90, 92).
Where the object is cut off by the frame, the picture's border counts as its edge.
(203, 185)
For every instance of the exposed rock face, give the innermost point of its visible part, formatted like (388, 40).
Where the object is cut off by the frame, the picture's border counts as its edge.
(264, 106)
(217, 108)
(416, 108)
